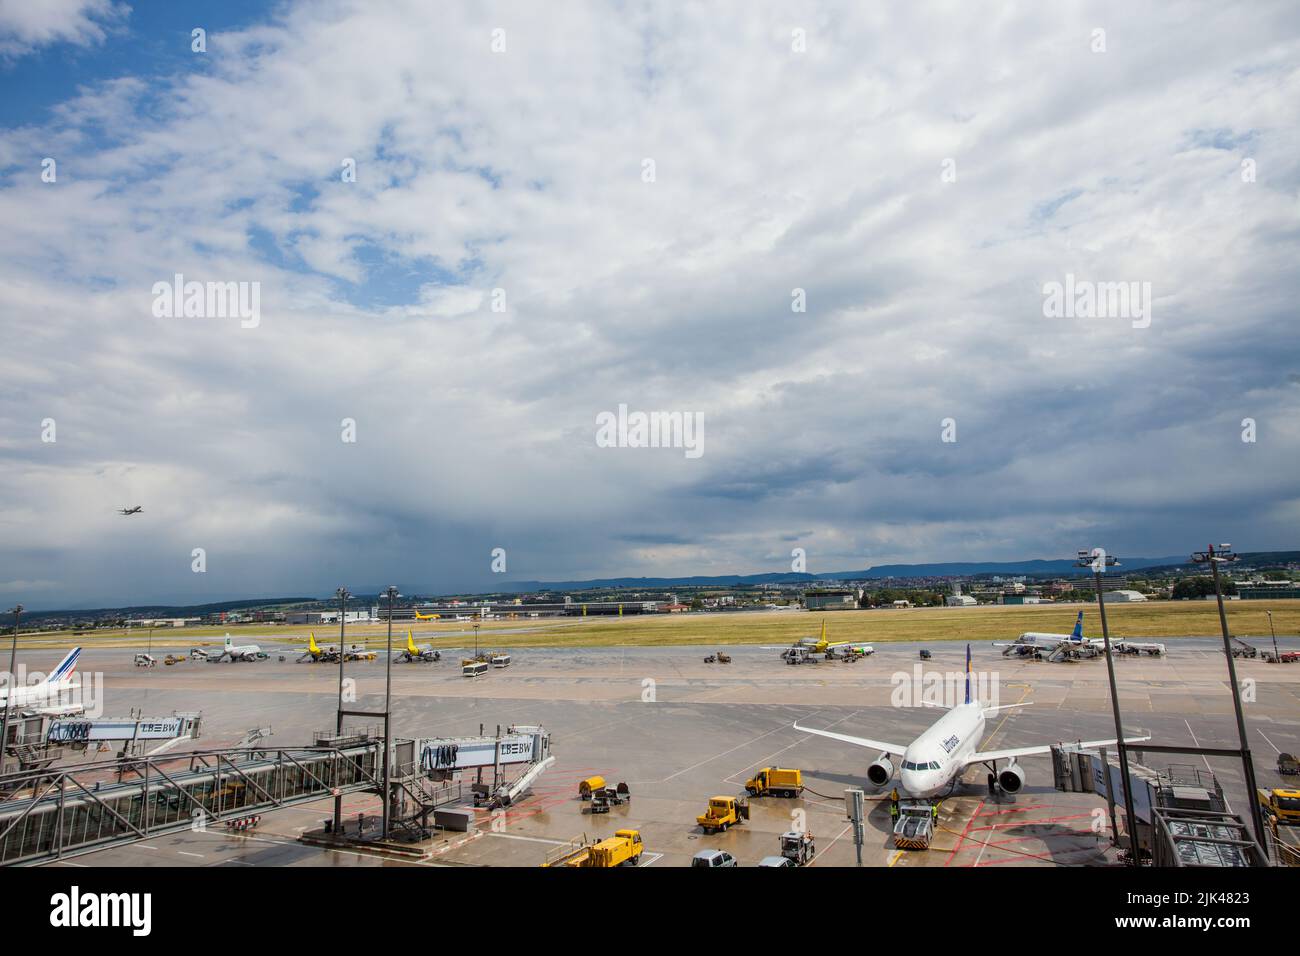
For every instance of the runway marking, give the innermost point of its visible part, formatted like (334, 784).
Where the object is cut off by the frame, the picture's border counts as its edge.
(1198, 743)
(764, 761)
(184, 853)
(650, 858)
(716, 756)
(516, 836)
(146, 846)
(1270, 743)
(818, 855)
(898, 855)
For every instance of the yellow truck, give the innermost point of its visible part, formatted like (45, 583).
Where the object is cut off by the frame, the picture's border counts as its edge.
(722, 813)
(1283, 804)
(623, 847)
(775, 781)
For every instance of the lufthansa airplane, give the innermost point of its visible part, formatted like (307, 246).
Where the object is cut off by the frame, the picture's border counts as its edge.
(933, 763)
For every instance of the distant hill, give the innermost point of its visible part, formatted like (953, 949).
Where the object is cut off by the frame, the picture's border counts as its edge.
(1062, 568)
(168, 610)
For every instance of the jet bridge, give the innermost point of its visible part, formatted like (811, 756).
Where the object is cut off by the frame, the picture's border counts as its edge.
(54, 813)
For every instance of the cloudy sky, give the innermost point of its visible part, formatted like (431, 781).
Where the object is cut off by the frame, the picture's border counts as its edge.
(558, 209)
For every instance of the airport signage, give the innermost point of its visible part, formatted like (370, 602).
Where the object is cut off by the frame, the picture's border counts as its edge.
(444, 753)
(74, 731)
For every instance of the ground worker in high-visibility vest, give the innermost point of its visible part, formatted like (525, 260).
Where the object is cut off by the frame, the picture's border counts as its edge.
(893, 805)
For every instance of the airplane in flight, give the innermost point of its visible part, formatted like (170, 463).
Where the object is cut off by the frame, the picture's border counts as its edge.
(131, 511)
(1072, 646)
(934, 762)
(48, 690)
(820, 645)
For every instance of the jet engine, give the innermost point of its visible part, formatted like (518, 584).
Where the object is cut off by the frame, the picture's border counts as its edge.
(1012, 778)
(880, 772)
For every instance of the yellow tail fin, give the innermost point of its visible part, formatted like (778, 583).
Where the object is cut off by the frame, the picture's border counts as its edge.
(311, 646)
(410, 643)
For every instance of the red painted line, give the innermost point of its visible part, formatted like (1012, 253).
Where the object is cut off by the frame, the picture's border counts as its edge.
(962, 839)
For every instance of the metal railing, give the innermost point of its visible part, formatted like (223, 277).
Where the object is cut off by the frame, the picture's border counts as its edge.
(59, 812)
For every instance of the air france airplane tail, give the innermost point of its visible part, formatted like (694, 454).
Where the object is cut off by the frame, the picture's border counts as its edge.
(66, 666)
(968, 696)
(1077, 634)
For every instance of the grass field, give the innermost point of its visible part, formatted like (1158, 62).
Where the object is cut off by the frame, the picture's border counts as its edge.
(1155, 619)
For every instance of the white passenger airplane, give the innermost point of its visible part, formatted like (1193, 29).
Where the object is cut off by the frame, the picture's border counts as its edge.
(934, 762)
(48, 690)
(1059, 647)
(242, 652)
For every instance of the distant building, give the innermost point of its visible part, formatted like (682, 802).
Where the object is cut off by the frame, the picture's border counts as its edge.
(1021, 598)
(960, 600)
(830, 600)
(1278, 589)
(1123, 597)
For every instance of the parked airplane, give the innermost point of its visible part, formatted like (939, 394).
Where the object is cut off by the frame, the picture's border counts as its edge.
(48, 690)
(934, 762)
(1063, 647)
(241, 652)
(414, 653)
(820, 645)
(426, 617)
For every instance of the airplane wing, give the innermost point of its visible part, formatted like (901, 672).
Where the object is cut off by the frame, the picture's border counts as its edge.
(982, 756)
(894, 749)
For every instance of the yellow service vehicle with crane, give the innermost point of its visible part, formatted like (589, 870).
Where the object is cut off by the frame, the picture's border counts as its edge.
(623, 847)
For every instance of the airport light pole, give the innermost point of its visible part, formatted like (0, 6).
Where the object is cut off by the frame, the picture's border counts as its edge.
(1099, 560)
(391, 593)
(1277, 656)
(17, 612)
(1214, 558)
(342, 595)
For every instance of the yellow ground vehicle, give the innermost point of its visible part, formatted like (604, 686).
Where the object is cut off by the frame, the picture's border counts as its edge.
(723, 812)
(586, 787)
(1283, 804)
(624, 846)
(775, 781)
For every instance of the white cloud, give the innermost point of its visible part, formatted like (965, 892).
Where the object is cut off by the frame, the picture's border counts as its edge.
(26, 25)
(522, 171)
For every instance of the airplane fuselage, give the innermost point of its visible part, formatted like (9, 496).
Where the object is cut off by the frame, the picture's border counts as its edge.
(936, 758)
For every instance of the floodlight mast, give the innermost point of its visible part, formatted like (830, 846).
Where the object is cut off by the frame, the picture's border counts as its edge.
(1098, 560)
(1215, 557)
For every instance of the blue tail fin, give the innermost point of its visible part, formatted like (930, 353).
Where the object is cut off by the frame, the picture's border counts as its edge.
(1077, 635)
(65, 668)
(968, 697)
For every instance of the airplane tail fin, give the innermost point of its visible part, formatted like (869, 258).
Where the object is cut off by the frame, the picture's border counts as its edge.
(311, 643)
(65, 668)
(1077, 634)
(410, 642)
(823, 630)
(229, 642)
(968, 697)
